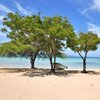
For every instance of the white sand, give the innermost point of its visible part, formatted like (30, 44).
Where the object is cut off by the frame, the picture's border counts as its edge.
(14, 86)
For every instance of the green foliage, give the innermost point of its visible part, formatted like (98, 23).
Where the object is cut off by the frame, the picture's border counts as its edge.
(84, 42)
(8, 49)
(3, 30)
(31, 35)
(27, 30)
(57, 29)
(12, 49)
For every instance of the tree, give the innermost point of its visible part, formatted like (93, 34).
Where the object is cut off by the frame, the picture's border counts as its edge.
(8, 49)
(33, 35)
(15, 49)
(57, 29)
(83, 43)
(25, 31)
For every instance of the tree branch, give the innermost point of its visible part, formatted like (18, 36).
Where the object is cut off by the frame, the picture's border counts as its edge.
(80, 55)
(86, 54)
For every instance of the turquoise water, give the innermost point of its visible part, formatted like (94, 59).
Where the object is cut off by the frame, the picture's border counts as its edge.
(70, 62)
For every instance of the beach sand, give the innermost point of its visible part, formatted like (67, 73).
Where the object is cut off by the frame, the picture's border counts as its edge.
(74, 86)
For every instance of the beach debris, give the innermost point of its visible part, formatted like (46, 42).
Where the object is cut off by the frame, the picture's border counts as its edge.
(59, 66)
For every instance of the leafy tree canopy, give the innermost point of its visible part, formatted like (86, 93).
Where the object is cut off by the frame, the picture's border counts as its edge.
(84, 43)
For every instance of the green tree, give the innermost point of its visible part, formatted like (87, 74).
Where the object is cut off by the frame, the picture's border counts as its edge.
(33, 35)
(15, 49)
(57, 29)
(7, 49)
(83, 43)
(25, 31)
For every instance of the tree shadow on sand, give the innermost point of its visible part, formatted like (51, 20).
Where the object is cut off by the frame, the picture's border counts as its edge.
(63, 73)
(93, 72)
(13, 70)
(45, 72)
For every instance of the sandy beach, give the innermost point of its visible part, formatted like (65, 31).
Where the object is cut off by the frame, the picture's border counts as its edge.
(74, 86)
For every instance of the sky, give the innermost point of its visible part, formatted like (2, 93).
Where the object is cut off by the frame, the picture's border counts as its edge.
(84, 15)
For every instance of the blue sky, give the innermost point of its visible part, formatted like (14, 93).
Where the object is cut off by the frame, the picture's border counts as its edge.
(84, 15)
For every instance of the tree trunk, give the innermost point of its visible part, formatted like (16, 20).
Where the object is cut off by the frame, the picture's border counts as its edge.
(84, 66)
(33, 58)
(50, 58)
(84, 61)
(32, 63)
(54, 62)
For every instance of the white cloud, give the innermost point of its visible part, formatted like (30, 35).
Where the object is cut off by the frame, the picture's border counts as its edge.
(1, 17)
(85, 14)
(95, 5)
(22, 10)
(5, 9)
(94, 28)
(2, 35)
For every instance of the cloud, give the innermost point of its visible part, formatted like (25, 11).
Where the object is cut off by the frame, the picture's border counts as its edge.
(85, 14)
(93, 6)
(23, 10)
(1, 17)
(5, 9)
(1, 33)
(94, 28)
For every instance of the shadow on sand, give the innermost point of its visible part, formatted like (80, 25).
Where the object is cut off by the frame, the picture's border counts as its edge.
(62, 73)
(13, 70)
(44, 72)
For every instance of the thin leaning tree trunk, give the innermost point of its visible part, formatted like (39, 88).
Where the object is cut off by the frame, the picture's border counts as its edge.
(33, 58)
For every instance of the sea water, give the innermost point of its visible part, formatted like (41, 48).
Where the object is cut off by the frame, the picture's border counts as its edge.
(70, 62)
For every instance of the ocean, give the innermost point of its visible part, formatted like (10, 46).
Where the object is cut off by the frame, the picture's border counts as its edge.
(70, 62)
